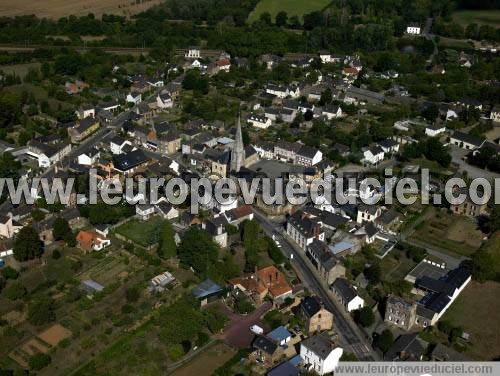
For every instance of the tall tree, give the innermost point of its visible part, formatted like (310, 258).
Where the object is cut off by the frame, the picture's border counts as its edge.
(167, 247)
(27, 245)
(281, 18)
(198, 250)
(60, 229)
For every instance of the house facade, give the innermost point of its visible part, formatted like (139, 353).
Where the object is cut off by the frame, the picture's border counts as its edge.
(320, 354)
(347, 295)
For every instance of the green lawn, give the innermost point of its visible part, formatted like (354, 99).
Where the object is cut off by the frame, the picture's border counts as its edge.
(142, 233)
(476, 311)
(292, 7)
(487, 17)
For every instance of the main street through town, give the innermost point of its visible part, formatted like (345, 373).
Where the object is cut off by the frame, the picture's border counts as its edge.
(350, 336)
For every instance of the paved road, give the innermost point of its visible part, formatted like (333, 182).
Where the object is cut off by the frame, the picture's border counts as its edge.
(473, 172)
(350, 336)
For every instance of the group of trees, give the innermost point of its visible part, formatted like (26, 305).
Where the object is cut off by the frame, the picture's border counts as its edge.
(430, 148)
(27, 245)
(182, 325)
(198, 250)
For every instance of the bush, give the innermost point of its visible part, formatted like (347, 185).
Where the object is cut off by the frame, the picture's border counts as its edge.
(56, 254)
(202, 339)
(10, 273)
(15, 290)
(243, 305)
(132, 294)
(175, 352)
(384, 340)
(41, 311)
(364, 316)
(39, 361)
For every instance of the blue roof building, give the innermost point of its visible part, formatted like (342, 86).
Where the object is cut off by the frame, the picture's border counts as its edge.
(280, 335)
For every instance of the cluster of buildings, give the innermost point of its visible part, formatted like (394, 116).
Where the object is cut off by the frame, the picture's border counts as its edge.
(285, 351)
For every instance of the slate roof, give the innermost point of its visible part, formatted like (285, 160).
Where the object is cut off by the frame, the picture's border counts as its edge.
(406, 347)
(310, 305)
(206, 288)
(265, 344)
(284, 369)
(125, 162)
(320, 344)
(307, 151)
(343, 287)
(467, 138)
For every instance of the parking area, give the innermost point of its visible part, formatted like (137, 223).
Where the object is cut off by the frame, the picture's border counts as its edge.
(237, 332)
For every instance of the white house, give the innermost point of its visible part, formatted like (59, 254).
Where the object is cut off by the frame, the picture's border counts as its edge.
(373, 155)
(320, 354)
(197, 64)
(216, 228)
(331, 111)
(283, 91)
(85, 111)
(164, 101)
(435, 130)
(7, 227)
(264, 149)
(193, 53)
(144, 211)
(134, 98)
(326, 58)
(89, 157)
(413, 29)
(347, 295)
(495, 114)
(308, 156)
(303, 229)
(368, 213)
(466, 141)
(389, 145)
(117, 144)
(166, 210)
(46, 154)
(259, 121)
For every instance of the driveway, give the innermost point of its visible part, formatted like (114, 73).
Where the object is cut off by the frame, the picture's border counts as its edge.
(457, 155)
(237, 333)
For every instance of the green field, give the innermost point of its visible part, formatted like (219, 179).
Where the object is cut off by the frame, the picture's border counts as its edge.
(142, 233)
(291, 7)
(464, 312)
(487, 17)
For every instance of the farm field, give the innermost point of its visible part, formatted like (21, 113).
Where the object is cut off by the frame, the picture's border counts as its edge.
(60, 8)
(478, 323)
(485, 17)
(291, 7)
(207, 362)
(454, 235)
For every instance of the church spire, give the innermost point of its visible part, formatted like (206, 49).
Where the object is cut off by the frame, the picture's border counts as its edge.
(238, 151)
